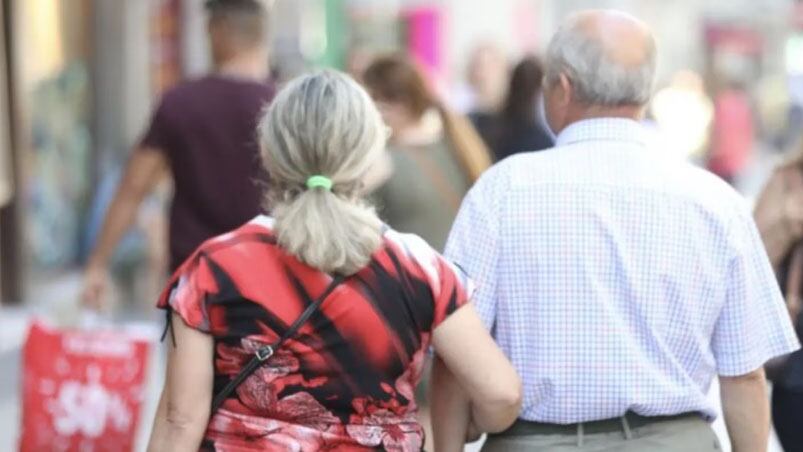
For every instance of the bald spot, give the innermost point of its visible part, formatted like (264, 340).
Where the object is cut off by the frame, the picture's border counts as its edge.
(624, 39)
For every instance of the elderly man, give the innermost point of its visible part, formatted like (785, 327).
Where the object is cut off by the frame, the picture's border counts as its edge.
(618, 279)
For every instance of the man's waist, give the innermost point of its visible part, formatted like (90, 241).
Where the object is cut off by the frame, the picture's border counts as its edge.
(629, 421)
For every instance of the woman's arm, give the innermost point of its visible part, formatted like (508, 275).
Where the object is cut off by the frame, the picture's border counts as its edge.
(183, 413)
(481, 369)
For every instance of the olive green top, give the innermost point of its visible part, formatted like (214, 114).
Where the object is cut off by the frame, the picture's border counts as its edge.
(424, 193)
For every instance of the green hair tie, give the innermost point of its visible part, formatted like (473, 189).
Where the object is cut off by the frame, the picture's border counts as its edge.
(319, 181)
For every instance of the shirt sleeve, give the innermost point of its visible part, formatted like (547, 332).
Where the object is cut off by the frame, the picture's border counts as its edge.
(187, 292)
(753, 326)
(473, 246)
(454, 290)
(448, 286)
(159, 132)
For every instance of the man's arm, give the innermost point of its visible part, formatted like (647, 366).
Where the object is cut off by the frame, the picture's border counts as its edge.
(746, 410)
(451, 408)
(143, 171)
(752, 328)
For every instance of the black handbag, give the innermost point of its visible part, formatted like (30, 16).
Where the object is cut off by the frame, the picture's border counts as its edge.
(264, 353)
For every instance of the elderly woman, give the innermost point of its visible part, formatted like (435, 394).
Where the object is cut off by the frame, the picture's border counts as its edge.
(308, 331)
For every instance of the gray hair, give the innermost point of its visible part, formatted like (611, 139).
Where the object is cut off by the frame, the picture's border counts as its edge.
(597, 78)
(323, 124)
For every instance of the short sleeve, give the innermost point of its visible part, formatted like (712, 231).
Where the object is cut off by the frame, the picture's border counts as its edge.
(159, 132)
(187, 292)
(449, 288)
(753, 325)
(454, 289)
(473, 246)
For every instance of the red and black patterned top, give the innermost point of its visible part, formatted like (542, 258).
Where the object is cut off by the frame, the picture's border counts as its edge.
(346, 381)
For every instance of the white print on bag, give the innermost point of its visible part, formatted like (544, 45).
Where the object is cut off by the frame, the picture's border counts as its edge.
(87, 408)
(78, 345)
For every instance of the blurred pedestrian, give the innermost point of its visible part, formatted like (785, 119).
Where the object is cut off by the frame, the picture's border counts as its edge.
(481, 95)
(620, 280)
(733, 133)
(436, 154)
(202, 135)
(488, 73)
(518, 128)
(779, 215)
(366, 301)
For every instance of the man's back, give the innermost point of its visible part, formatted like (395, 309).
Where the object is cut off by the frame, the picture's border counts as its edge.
(617, 279)
(206, 128)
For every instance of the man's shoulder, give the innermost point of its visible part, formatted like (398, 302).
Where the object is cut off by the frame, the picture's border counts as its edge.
(508, 172)
(202, 86)
(258, 231)
(688, 180)
(653, 171)
(539, 160)
(183, 89)
(518, 162)
(529, 165)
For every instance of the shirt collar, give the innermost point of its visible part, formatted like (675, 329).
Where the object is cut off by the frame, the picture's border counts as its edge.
(603, 129)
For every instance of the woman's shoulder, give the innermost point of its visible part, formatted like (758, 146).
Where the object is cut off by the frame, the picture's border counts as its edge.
(257, 232)
(412, 244)
(413, 249)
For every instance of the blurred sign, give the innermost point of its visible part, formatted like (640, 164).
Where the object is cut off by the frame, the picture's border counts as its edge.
(424, 30)
(82, 390)
(797, 16)
(734, 39)
(526, 26)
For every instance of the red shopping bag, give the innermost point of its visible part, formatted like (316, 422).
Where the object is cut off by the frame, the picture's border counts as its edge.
(82, 390)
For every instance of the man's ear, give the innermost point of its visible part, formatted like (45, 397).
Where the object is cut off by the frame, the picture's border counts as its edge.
(566, 90)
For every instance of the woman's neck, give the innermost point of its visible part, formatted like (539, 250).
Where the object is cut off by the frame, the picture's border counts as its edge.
(427, 130)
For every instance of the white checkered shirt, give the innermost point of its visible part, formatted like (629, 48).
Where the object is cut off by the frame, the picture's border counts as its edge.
(616, 277)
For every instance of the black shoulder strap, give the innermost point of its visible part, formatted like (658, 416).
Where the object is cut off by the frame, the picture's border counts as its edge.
(264, 353)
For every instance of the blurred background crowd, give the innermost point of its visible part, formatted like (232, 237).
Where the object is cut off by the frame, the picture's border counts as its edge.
(80, 78)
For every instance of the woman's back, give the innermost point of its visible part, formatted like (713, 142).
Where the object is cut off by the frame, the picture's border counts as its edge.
(242, 375)
(424, 193)
(347, 379)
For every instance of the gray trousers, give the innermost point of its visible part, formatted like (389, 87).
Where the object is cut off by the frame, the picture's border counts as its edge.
(690, 434)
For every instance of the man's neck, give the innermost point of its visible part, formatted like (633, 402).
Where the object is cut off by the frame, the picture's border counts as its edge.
(247, 66)
(632, 112)
(427, 130)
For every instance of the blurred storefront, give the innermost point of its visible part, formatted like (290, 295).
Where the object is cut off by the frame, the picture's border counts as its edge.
(83, 80)
(81, 77)
(7, 173)
(49, 73)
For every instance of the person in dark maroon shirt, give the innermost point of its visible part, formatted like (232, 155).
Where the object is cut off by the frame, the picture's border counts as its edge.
(202, 133)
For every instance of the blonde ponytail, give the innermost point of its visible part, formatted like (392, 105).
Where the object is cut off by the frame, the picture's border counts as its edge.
(323, 124)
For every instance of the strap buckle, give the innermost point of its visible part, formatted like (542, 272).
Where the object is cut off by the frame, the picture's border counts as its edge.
(264, 353)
